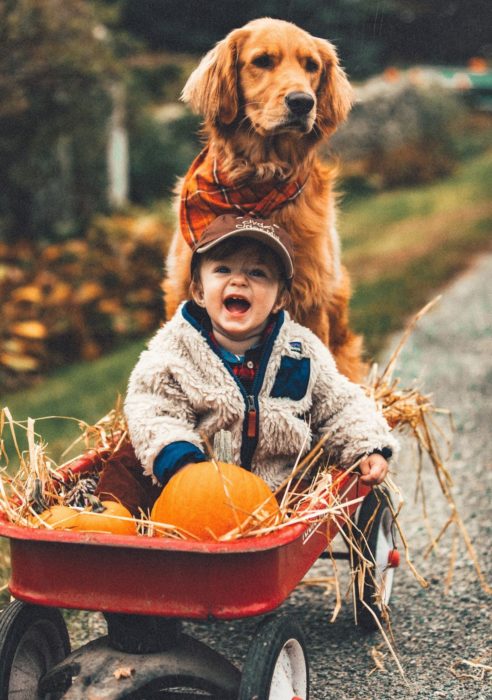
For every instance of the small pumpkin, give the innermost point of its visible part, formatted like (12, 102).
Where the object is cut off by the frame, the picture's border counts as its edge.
(58, 517)
(208, 500)
(108, 519)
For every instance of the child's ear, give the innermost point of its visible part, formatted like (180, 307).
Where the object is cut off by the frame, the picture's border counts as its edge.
(196, 292)
(283, 298)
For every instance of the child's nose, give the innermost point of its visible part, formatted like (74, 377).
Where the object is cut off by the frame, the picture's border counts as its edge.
(239, 278)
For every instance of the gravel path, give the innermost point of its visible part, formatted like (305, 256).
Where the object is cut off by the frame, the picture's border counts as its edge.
(450, 355)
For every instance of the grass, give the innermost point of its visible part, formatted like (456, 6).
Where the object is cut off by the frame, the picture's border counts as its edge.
(401, 247)
(85, 390)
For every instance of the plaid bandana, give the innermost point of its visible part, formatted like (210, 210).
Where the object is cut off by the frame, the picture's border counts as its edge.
(207, 193)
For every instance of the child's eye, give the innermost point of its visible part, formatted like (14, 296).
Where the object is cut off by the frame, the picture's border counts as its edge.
(257, 272)
(222, 269)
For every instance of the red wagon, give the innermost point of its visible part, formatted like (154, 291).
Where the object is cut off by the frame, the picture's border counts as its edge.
(145, 586)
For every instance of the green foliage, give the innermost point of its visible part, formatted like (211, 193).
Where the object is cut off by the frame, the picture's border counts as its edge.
(195, 26)
(160, 150)
(158, 80)
(437, 32)
(56, 65)
(157, 77)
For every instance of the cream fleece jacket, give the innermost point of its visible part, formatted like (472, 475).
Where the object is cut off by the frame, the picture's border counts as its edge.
(181, 389)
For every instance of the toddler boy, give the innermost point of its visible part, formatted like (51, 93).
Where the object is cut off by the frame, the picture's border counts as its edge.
(231, 358)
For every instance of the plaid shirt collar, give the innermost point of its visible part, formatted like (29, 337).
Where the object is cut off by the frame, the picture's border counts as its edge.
(252, 352)
(244, 367)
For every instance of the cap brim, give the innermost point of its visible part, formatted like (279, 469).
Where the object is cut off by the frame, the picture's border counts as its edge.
(274, 243)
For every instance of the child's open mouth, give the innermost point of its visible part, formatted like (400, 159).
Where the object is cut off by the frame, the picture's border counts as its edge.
(236, 305)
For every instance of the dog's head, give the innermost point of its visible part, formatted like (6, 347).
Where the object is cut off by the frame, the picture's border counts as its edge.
(270, 77)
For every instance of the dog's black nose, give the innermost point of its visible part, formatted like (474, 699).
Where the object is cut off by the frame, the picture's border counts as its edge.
(299, 103)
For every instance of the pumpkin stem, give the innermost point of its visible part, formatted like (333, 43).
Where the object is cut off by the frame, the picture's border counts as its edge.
(95, 503)
(37, 496)
(223, 446)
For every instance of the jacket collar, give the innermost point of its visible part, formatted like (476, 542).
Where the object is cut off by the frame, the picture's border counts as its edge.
(197, 317)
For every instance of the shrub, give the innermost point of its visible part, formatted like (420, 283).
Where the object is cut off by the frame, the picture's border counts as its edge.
(159, 77)
(75, 299)
(400, 132)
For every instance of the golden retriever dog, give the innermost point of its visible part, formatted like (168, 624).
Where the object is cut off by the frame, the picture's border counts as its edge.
(269, 93)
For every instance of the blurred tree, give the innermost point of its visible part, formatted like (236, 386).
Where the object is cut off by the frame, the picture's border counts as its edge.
(368, 33)
(442, 31)
(56, 64)
(195, 26)
(160, 151)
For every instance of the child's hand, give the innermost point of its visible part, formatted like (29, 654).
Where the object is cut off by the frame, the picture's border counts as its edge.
(373, 469)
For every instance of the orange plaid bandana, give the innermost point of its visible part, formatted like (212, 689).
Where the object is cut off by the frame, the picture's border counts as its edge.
(207, 193)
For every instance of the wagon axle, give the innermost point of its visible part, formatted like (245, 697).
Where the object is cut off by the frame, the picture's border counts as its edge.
(112, 674)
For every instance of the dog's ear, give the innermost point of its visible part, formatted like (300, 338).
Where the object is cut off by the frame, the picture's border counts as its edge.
(212, 88)
(335, 94)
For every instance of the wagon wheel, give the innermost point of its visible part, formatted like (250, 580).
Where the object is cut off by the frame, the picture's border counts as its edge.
(276, 667)
(32, 640)
(376, 535)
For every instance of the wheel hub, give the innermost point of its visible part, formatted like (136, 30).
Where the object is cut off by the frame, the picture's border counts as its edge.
(393, 558)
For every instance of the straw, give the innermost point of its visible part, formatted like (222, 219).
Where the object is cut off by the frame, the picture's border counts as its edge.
(474, 669)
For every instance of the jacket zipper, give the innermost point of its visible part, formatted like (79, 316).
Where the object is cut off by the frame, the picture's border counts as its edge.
(252, 413)
(250, 430)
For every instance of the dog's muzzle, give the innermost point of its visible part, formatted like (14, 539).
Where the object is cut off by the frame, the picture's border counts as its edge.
(299, 104)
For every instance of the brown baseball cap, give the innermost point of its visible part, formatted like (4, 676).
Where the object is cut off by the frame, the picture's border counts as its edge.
(262, 230)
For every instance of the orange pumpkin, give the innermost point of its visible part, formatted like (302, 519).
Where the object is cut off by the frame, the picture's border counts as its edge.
(207, 502)
(58, 517)
(109, 520)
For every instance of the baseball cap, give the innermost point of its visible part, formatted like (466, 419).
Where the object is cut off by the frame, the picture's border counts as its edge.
(263, 230)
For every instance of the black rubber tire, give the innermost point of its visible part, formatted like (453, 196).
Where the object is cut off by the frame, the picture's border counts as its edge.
(277, 637)
(33, 639)
(375, 518)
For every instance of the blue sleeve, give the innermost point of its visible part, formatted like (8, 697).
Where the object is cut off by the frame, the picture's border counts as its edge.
(173, 457)
(385, 452)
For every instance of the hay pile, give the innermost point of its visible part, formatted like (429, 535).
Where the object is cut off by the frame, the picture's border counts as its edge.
(39, 483)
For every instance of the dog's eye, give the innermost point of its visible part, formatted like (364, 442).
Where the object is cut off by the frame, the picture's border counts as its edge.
(263, 61)
(311, 65)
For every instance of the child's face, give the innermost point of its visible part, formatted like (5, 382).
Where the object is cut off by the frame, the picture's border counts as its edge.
(239, 293)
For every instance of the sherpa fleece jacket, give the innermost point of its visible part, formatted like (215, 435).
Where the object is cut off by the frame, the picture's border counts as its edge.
(181, 388)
